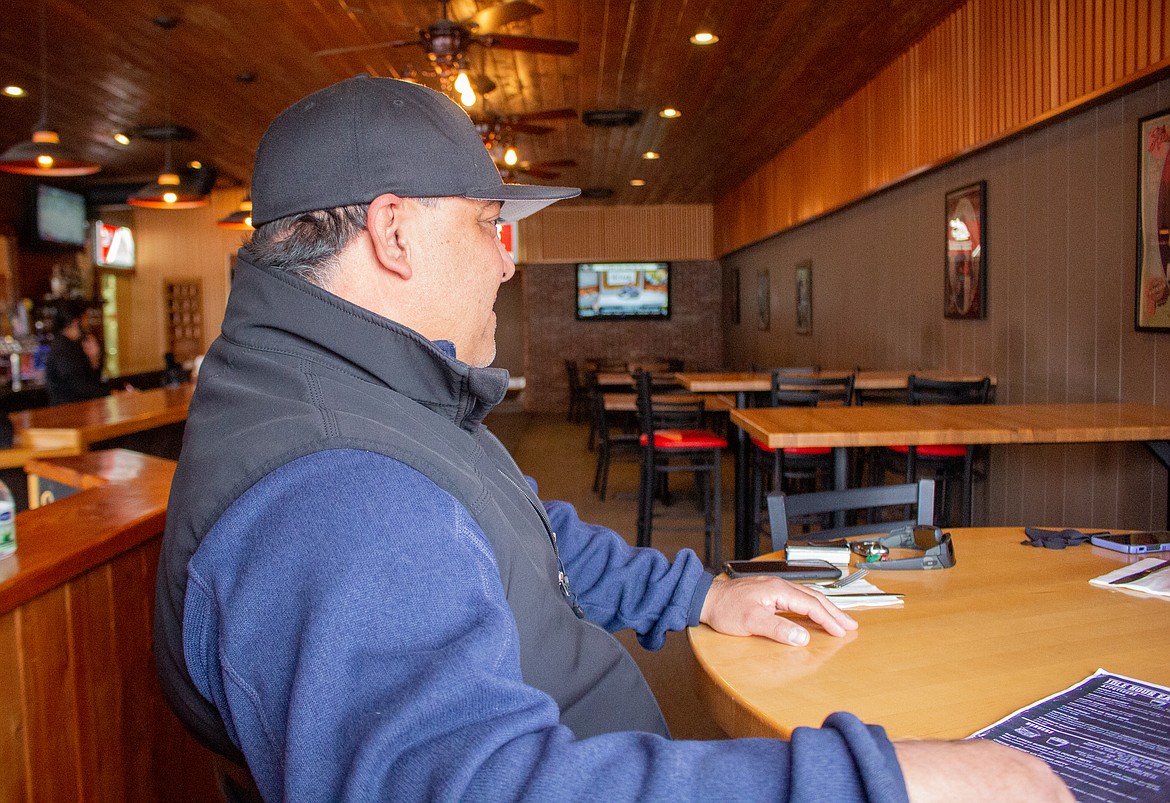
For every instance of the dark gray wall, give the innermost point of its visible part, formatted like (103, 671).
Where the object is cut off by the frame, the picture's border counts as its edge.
(1061, 244)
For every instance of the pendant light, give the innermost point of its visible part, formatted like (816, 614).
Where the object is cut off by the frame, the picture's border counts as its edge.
(168, 191)
(241, 219)
(44, 155)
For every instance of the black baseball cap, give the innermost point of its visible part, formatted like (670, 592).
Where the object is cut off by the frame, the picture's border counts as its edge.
(362, 137)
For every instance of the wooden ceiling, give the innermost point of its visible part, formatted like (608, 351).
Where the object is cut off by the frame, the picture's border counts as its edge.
(779, 66)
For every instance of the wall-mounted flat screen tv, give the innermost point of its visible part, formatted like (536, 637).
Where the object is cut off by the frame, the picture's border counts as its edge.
(113, 246)
(58, 217)
(626, 290)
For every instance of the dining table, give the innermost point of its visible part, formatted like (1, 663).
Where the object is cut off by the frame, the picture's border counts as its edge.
(886, 425)
(78, 425)
(1007, 625)
(747, 384)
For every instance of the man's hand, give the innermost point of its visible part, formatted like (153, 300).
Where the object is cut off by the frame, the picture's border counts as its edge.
(747, 606)
(976, 770)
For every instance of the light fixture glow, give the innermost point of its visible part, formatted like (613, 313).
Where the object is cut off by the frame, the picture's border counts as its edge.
(463, 87)
(670, 113)
(704, 38)
(44, 155)
(241, 219)
(637, 182)
(14, 91)
(195, 164)
(651, 155)
(121, 138)
(511, 157)
(170, 197)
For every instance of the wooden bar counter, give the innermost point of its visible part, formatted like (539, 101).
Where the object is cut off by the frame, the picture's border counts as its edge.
(81, 713)
(78, 425)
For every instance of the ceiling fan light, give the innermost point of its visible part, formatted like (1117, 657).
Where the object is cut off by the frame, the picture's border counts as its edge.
(44, 155)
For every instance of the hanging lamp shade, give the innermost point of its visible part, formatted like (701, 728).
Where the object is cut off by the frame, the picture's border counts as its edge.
(44, 155)
(241, 219)
(168, 192)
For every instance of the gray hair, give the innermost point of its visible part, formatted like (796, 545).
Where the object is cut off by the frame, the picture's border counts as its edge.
(309, 245)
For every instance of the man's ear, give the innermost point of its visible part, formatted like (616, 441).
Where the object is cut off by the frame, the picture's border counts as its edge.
(384, 220)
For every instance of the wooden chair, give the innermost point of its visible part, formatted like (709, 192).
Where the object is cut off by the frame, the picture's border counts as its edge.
(580, 406)
(782, 509)
(948, 461)
(800, 464)
(673, 440)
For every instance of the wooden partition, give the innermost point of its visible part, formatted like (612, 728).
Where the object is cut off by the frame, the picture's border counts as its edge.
(82, 717)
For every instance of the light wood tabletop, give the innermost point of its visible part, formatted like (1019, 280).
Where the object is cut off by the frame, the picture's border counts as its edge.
(1006, 626)
(79, 424)
(761, 381)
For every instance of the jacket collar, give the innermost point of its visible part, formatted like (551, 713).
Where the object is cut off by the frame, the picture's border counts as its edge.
(270, 309)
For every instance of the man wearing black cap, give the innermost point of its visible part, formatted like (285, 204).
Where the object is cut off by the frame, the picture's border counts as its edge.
(359, 592)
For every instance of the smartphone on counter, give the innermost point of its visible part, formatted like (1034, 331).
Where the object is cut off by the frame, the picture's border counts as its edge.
(796, 570)
(1133, 543)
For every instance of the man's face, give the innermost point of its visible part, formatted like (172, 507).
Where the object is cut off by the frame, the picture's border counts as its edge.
(463, 263)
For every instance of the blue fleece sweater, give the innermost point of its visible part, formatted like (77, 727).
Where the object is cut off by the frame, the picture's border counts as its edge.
(346, 617)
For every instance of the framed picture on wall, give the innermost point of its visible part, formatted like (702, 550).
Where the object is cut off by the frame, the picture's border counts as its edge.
(763, 301)
(804, 298)
(1152, 308)
(965, 273)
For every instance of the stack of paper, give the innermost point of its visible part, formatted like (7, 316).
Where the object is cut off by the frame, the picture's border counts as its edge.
(1156, 582)
(861, 594)
(838, 555)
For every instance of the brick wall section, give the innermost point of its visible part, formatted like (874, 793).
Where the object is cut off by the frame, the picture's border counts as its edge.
(552, 333)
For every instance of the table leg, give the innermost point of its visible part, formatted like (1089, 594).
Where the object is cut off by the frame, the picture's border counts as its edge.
(840, 479)
(746, 544)
(1161, 450)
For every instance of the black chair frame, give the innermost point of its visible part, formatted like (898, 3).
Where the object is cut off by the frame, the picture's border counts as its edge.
(782, 508)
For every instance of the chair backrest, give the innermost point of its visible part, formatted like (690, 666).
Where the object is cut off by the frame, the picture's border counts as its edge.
(781, 507)
(939, 391)
(798, 389)
(574, 374)
(656, 414)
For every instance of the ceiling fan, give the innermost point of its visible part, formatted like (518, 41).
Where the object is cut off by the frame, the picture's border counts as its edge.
(500, 129)
(446, 41)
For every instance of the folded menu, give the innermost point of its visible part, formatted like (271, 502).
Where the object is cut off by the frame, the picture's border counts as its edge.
(861, 594)
(1156, 583)
(839, 555)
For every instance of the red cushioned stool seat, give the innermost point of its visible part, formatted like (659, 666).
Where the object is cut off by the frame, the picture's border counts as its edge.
(935, 450)
(685, 439)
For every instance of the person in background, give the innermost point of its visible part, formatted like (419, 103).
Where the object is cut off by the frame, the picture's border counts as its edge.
(73, 366)
(359, 592)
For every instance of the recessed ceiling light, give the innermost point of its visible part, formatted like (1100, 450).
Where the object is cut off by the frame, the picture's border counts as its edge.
(637, 182)
(651, 155)
(14, 91)
(121, 138)
(670, 113)
(704, 38)
(195, 164)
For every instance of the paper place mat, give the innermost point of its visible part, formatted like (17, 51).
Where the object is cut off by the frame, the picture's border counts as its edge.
(1157, 584)
(851, 596)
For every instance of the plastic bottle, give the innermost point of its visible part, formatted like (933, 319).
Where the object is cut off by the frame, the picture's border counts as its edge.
(7, 522)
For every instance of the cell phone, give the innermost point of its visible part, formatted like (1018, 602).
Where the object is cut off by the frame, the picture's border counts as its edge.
(788, 569)
(1134, 543)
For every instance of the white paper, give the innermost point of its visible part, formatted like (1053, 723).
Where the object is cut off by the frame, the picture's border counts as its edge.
(1157, 583)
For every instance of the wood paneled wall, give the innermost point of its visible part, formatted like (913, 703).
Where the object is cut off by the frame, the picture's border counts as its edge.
(580, 233)
(175, 244)
(991, 70)
(1060, 261)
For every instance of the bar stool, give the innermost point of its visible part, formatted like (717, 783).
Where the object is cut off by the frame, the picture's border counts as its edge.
(673, 440)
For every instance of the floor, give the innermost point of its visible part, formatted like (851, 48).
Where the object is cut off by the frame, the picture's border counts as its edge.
(553, 452)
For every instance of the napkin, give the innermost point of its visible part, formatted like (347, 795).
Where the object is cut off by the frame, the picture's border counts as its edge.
(848, 597)
(1157, 584)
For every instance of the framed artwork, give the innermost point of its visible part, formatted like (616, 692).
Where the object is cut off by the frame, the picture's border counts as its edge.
(804, 298)
(733, 295)
(965, 276)
(1152, 310)
(763, 301)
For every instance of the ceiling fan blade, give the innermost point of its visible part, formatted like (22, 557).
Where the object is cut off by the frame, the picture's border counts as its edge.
(526, 128)
(550, 114)
(492, 17)
(337, 51)
(530, 44)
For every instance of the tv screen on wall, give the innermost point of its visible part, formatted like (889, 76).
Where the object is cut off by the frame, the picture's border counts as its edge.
(58, 217)
(625, 290)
